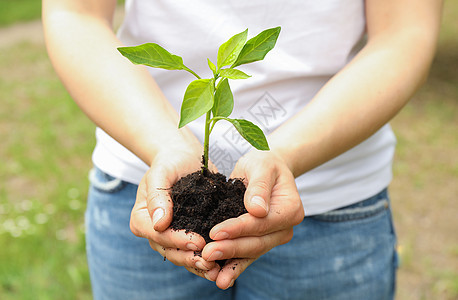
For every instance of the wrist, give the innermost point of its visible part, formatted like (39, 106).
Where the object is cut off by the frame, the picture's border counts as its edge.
(284, 158)
(166, 141)
(273, 157)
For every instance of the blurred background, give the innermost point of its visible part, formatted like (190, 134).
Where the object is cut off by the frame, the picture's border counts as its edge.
(46, 145)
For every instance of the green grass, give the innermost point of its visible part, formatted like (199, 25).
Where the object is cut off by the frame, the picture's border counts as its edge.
(45, 154)
(13, 11)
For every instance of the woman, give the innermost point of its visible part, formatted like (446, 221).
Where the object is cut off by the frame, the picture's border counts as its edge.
(339, 72)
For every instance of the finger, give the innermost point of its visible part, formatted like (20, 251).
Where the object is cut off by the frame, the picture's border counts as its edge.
(159, 202)
(178, 239)
(258, 191)
(245, 247)
(231, 271)
(285, 211)
(260, 178)
(244, 225)
(209, 275)
(141, 225)
(248, 225)
(188, 259)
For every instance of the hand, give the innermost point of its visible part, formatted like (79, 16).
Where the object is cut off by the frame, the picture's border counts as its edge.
(152, 212)
(274, 207)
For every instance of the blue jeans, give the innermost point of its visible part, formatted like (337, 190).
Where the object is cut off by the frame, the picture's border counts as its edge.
(348, 253)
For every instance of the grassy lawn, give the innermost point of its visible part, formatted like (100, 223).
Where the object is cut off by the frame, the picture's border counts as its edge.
(13, 11)
(45, 156)
(45, 153)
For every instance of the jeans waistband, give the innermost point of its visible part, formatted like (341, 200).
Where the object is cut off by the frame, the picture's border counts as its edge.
(359, 210)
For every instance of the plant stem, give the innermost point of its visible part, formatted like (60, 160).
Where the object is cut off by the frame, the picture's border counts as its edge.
(192, 72)
(206, 141)
(208, 121)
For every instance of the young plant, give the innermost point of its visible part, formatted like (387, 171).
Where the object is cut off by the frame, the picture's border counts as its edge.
(213, 97)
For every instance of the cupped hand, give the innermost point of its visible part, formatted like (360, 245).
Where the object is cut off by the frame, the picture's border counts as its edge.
(153, 211)
(274, 207)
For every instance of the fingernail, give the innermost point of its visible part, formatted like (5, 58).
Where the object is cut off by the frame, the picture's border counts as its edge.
(256, 200)
(222, 235)
(157, 215)
(207, 276)
(231, 284)
(192, 246)
(215, 256)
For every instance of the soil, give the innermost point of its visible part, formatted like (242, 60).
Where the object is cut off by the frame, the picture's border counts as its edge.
(203, 199)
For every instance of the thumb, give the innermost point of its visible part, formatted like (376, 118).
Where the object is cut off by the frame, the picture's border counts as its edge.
(261, 180)
(158, 200)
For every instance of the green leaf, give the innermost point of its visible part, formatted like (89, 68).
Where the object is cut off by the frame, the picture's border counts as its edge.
(233, 74)
(198, 99)
(153, 55)
(250, 132)
(224, 100)
(211, 66)
(257, 48)
(229, 51)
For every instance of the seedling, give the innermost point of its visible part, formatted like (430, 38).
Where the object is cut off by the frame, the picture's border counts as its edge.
(213, 97)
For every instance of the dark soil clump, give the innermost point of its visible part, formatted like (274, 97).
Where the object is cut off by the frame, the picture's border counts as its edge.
(200, 201)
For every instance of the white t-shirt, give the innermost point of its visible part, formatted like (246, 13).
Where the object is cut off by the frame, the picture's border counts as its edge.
(318, 38)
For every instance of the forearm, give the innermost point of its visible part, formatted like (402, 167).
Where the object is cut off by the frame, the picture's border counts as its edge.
(121, 98)
(358, 101)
